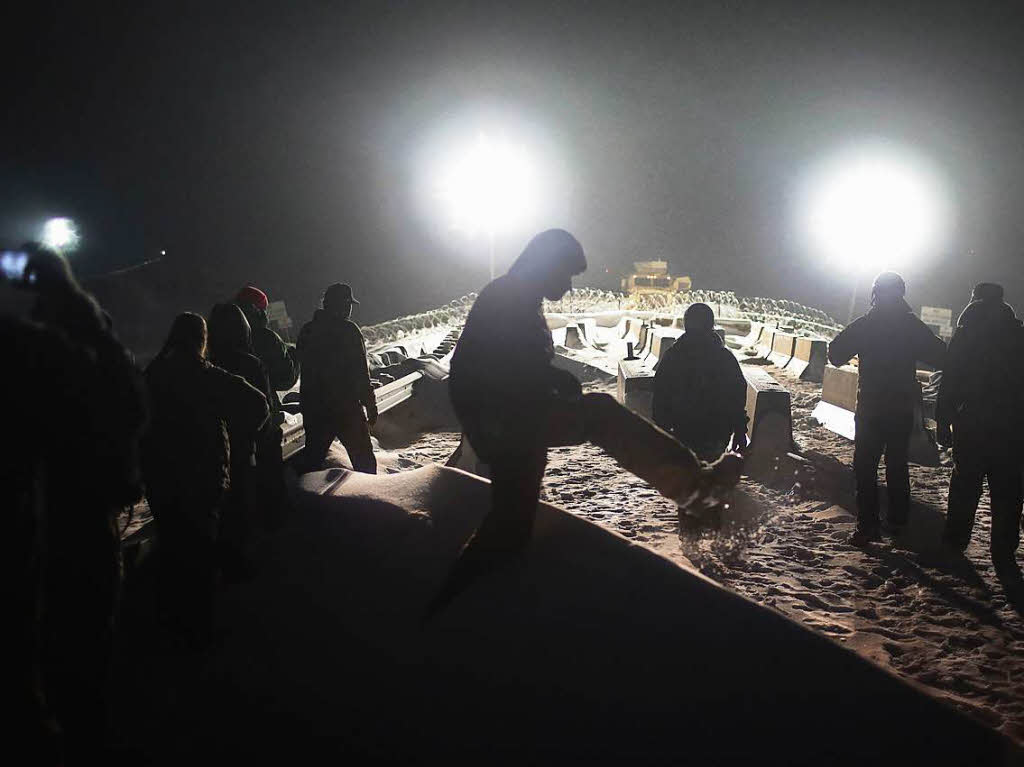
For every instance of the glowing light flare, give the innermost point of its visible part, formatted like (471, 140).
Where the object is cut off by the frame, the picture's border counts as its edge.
(60, 234)
(874, 208)
(491, 187)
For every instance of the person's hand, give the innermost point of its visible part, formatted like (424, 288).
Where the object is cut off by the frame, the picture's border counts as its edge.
(371, 414)
(566, 385)
(944, 434)
(739, 442)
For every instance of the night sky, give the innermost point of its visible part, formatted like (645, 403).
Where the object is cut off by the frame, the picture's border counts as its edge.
(285, 143)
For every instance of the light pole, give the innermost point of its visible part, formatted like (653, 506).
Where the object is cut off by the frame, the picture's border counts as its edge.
(490, 249)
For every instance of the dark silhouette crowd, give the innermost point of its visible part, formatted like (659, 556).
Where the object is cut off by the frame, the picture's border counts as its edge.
(198, 434)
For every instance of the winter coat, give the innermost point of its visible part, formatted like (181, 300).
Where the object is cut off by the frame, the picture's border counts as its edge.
(699, 388)
(983, 379)
(194, 403)
(279, 360)
(502, 379)
(335, 376)
(889, 341)
(251, 369)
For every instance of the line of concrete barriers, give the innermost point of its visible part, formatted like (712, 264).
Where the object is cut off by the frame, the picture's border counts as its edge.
(390, 391)
(768, 404)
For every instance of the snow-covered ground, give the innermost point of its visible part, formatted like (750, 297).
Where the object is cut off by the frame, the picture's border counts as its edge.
(942, 622)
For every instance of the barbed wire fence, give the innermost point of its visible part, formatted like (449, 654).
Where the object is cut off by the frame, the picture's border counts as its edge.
(804, 320)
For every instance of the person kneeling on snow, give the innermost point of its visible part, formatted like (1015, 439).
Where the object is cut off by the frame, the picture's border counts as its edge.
(700, 393)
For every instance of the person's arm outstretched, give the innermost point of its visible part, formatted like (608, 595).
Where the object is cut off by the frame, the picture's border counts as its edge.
(846, 345)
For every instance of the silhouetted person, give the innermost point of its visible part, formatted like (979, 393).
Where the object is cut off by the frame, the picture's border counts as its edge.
(230, 348)
(980, 412)
(336, 395)
(889, 340)
(91, 474)
(279, 359)
(700, 393)
(94, 475)
(282, 365)
(46, 403)
(513, 404)
(187, 468)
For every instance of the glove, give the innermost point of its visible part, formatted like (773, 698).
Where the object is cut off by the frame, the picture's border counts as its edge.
(739, 442)
(944, 434)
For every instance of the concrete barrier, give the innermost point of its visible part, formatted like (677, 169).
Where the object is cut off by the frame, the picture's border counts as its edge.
(661, 340)
(395, 393)
(782, 349)
(766, 341)
(574, 337)
(754, 336)
(810, 355)
(636, 386)
(588, 329)
(770, 422)
(837, 408)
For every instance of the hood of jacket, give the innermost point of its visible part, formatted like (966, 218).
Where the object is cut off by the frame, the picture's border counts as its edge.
(980, 314)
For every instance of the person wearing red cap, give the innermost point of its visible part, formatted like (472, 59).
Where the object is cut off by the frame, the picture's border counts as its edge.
(277, 357)
(282, 367)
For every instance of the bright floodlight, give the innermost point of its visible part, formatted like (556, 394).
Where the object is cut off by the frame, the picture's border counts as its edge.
(60, 234)
(874, 208)
(489, 188)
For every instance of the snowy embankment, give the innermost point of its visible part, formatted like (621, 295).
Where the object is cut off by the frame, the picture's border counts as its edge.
(583, 649)
(942, 622)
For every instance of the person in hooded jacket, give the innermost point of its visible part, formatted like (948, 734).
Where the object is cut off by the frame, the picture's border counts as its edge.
(92, 474)
(514, 404)
(56, 383)
(980, 413)
(700, 393)
(889, 341)
(230, 348)
(186, 464)
(336, 395)
(280, 360)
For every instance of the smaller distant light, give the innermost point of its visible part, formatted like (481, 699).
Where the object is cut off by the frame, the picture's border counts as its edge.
(60, 234)
(163, 252)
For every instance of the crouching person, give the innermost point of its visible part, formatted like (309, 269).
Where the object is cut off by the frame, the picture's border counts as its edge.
(700, 394)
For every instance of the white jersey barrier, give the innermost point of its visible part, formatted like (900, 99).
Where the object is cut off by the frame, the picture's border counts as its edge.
(838, 406)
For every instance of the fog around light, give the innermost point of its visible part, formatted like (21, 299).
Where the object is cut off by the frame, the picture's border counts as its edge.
(489, 186)
(874, 208)
(60, 234)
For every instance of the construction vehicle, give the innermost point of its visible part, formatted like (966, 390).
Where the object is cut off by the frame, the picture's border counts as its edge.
(652, 277)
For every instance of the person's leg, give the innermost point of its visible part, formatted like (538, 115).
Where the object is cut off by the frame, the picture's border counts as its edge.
(273, 496)
(867, 452)
(81, 601)
(355, 436)
(897, 471)
(637, 445)
(319, 436)
(505, 531)
(964, 492)
(1004, 486)
(515, 489)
